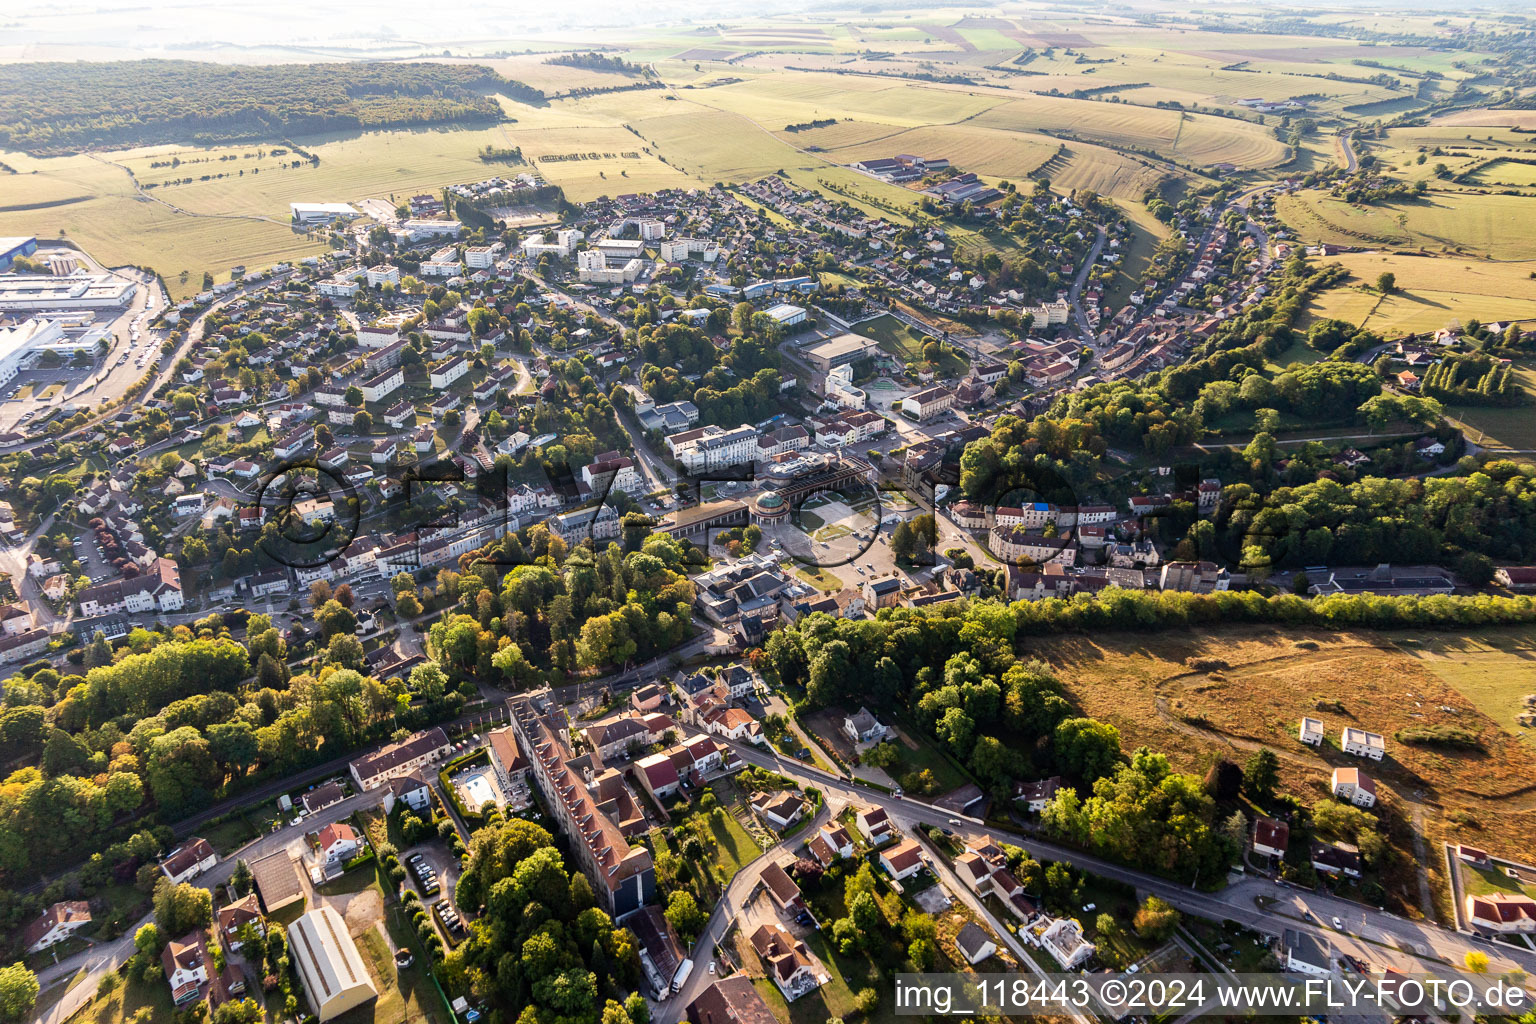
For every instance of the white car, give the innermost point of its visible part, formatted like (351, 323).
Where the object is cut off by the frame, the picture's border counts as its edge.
(1337, 923)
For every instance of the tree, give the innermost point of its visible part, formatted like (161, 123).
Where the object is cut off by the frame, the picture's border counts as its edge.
(1224, 781)
(18, 993)
(1155, 919)
(1386, 282)
(1476, 961)
(1262, 773)
(1086, 747)
(683, 915)
(924, 954)
(238, 1011)
(179, 908)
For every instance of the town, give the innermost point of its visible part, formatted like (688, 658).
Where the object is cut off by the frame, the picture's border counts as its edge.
(579, 586)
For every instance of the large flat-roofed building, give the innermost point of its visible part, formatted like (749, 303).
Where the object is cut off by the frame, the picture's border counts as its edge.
(839, 351)
(335, 978)
(623, 876)
(320, 213)
(12, 247)
(32, 337)
(25, 293)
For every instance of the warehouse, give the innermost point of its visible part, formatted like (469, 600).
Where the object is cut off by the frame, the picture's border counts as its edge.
(26, 293)
(10, 248)
(335, 979)
(320, 213)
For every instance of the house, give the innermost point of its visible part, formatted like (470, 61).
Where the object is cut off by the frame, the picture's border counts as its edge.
(412, 789)
(1311, 732)
(338, 844)
(730, 1001)
(235, 916)
(1336, 859)
(1305, 953)
(658, 776)
(323, 796)
(1063, 939)
(780, 809)
(1472, 855)
(185, 961)
(56, 924)
(1518, 578)
(903, 860)
(1270, 837)
(373, 770)
(158, 589)
(1035, 795)
(875, 825)
(863, 727)
(782, 890)
(1503, 913)
(789, 963)
(189, 860)
(838, 841)
(1363, 744)
(974, 944)
(1428, 448)
(1355, 786)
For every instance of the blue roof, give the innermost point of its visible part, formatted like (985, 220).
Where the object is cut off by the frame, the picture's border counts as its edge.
(1041, 506)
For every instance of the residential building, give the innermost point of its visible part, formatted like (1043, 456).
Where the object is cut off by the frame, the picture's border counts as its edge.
(780, 808)
(622, 877)
(185, 962)
(1305, 953)
(1270, 837)
(709, 448)
(730, 1001)
(189, 860)
(373, 770)
(156, 590)
(444, 375)
(903, 860)
(56, 924)
(1311, 732)
(1336, 859)
(1502, 913)
(232, 917)
(928, 404)
(782, 890)
(788, 962)
(382, 386)
(1064, 940)
(1354, 786)
(974, 944)
(1360, 743)
(863, 727)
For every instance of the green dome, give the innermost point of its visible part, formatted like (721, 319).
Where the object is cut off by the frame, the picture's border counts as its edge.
(770, 499)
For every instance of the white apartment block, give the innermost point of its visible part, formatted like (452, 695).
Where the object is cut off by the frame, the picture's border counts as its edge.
(449, 372)
(563, 245)
(385, 384)
(382, 275)
(480, 257)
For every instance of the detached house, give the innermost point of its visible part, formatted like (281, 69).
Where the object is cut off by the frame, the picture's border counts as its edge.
(903, 860)
(189, 860)
(57, 923)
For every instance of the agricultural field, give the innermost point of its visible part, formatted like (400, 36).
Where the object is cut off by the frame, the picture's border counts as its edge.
(1199, 698)
(1494, 670)
(1432, 292)
(1491, 226)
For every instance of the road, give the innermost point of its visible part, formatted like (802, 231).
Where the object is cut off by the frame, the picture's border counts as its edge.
(1346, 143)
(1075, 296)
(1284, 907)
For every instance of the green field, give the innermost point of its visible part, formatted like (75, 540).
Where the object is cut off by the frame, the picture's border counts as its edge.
(1432, 292)
(1492, 226)
(1494, 670)
(906, 344)
(1481, 881)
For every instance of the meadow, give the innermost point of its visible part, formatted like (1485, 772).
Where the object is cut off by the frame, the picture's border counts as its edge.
(1197, 698)
(1497, 428)
(1493, 226)
(1432, 292)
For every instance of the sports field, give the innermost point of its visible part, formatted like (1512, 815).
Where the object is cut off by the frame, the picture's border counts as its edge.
(1432, 292)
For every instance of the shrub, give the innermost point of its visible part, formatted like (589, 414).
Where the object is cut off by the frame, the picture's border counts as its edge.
(1441, 736)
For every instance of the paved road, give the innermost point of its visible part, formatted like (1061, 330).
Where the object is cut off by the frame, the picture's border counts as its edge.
(1076, 295)
(1285, 905)
(1346, 143)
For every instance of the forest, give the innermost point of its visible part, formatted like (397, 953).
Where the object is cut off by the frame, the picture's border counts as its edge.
(50, 108)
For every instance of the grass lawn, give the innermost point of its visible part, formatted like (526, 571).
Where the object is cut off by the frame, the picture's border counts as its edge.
(126, 1000)
(819, 578)
(1494, 670)
(406, 996)
(735, 847)
(906, 344)
(1298, 352)
(917, 754)
(1483, 881)
(230, 834)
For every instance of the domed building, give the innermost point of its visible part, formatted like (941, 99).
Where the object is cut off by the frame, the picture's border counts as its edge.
(769, 508)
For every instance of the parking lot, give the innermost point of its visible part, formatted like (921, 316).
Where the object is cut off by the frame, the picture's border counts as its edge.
(446, 868)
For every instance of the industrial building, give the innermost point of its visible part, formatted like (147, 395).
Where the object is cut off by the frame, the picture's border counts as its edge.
(335, 978)
(839, 351)
(27, 293)
(10, 248)
(24, 342)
